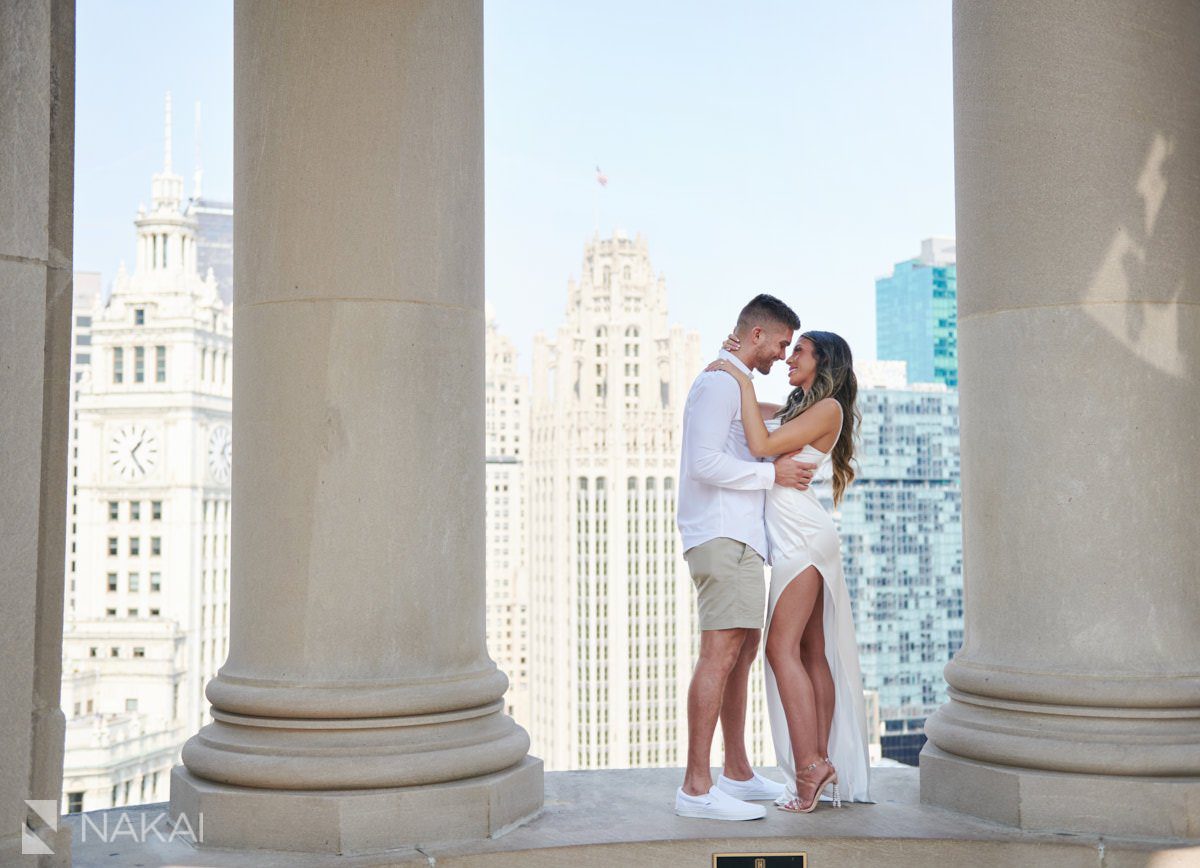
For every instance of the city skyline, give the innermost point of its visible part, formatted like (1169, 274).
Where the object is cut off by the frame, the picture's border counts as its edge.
(727, 229)
(747, 145)
(149, 505)
(640, 375)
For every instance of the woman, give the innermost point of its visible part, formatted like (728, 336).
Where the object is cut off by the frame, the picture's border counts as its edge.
(814, 687)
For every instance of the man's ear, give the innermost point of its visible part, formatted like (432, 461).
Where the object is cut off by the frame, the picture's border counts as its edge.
(755, 334)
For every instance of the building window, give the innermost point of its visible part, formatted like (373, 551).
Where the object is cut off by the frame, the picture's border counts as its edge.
(160, 364)
(112, 545)
(118, 365)
(156, 581)
(139, 364)
(135, 510)
(135, 545)
(155, 545)
(111, 613)
(112, 581)
(132, 613)
(74, 803)
(135, 581)
(93, 651)
(114, 510)
(139, 316)
(139, 651)
(130, 705)
(156, 510)
(154, 613)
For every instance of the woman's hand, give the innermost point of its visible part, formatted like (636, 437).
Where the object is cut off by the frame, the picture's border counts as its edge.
(729, 368)
(732, 343)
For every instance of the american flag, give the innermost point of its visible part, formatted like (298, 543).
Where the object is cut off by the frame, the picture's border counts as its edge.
(601, 178)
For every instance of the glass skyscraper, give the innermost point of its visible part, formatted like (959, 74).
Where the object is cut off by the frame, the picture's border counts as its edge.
(901, 531)
(214, 242)
(916, 314)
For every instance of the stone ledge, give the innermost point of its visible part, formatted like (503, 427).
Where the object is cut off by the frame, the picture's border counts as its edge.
(626, 817)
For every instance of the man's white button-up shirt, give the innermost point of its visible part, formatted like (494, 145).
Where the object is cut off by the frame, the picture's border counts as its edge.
(721, 485)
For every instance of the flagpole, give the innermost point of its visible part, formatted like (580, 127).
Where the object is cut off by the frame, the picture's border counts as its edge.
(602, 183)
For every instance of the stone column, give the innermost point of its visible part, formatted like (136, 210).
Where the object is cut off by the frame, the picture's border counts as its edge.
(37, 153)
(1075, 700)
(358, 708)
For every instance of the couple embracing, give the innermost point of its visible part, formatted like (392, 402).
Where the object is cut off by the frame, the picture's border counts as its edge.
(737, 512)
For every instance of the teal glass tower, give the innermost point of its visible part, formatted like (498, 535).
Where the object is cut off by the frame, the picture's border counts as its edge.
(916, 314)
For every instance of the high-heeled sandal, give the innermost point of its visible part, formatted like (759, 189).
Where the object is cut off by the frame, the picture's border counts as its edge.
(837, 795)
(794, 806)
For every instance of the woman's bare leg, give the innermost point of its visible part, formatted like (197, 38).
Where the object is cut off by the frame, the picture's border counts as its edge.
(812, 652)
(788, 622)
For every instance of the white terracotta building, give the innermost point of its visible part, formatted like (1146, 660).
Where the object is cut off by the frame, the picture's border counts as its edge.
(146, 625)
(506, 432)
(612, 611)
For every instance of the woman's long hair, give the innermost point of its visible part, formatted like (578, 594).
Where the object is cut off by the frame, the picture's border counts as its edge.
(834, 379)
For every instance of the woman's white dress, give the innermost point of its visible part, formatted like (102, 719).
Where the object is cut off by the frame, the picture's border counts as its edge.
(802, 534)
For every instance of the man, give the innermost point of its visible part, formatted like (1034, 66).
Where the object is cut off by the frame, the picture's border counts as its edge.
(722, 490)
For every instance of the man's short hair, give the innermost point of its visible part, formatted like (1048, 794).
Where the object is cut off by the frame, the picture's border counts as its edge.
(765, 310)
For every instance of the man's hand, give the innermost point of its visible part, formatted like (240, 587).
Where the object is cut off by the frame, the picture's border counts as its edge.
(793, 474)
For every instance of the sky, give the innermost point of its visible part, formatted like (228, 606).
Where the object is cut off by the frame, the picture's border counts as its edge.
(797, 148)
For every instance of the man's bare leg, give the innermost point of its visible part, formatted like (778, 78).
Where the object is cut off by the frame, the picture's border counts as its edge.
(719, 651)
(733, 710)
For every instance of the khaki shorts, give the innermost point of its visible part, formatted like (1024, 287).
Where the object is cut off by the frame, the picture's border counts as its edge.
(731, 591)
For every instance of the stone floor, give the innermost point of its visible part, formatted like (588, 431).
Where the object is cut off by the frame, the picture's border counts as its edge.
(625, 817)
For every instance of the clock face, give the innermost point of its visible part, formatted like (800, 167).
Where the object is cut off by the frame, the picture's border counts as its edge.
(133, 451)
(220, 453)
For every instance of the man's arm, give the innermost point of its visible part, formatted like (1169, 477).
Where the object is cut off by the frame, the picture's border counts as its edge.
(714, 408)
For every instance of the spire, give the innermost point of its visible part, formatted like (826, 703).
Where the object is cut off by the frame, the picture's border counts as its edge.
(167, 138)
(198, 172)
(166, 188)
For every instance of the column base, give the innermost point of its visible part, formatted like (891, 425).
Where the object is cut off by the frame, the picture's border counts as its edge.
(1118, 805)
(357, 821)
(60, 842)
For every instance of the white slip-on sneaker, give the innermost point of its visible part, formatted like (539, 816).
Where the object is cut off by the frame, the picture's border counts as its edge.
(752, 790)
(716, 805)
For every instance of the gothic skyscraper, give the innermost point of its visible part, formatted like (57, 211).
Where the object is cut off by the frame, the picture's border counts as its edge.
(612, 620)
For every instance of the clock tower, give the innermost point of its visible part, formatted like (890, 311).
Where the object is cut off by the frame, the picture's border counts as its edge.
(147, 622)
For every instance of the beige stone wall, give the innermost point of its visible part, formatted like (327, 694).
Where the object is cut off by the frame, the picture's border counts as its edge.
(37, 129)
